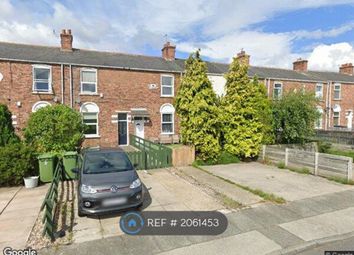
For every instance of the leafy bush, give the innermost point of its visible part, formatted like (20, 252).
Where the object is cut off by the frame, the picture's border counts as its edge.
(246, 113)
(294, 117)
(17, 160)
(224, 158)
(55, 129)
(281, 165)
(323, 146)
(7, 131)
(196, 106)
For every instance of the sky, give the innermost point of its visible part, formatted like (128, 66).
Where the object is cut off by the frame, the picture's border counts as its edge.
(274, 32)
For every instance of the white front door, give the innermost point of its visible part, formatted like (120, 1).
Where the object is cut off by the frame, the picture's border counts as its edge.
(139, 128)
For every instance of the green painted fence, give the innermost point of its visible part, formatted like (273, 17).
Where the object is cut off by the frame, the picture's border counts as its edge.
(51, 200)
(150, 155)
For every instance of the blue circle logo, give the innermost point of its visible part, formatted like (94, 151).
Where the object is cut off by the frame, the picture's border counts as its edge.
(131, 223)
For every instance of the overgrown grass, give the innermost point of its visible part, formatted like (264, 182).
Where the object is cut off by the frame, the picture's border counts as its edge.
(227, 201)
(341, 180)
(266, 196)
(303, 170)
(281, 165)
(341, 153)
(224, 158)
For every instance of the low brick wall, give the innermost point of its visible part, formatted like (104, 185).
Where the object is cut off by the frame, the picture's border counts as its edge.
(183, 155)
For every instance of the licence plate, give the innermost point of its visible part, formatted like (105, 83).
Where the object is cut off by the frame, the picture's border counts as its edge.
(114, 201)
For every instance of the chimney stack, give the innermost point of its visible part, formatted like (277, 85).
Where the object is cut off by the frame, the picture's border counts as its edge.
(66, 40)
(300, 65)
(169, 51)
(243, 58)
(346, 69)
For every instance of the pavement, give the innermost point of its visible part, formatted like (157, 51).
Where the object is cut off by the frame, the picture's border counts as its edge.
(264, 229)
(281, 182)
(19, 209)
(164, 192)
(342, 245)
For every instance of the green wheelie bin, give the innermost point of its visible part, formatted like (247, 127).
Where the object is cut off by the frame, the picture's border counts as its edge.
(69, 162)
(46, 166)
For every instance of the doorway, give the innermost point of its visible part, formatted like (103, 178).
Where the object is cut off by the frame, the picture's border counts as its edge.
(139, 128)
(122, 129)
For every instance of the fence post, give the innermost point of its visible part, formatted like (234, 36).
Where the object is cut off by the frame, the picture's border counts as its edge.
(263, 152)
(286, 156)
(350, 169)
(316, 163)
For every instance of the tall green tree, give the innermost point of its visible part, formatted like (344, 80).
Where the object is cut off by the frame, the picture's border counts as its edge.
(7, 131)
(294, 116)
(55, 129)
(196, 106)
(246, 113)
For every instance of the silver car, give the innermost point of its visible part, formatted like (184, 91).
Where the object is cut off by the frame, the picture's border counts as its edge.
(107, 182)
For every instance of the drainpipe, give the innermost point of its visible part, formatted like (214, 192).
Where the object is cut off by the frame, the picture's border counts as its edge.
(329, 103)
(71, 87)
(62, 83)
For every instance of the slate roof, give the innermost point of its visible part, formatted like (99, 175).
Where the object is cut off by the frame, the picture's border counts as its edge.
(53, 55)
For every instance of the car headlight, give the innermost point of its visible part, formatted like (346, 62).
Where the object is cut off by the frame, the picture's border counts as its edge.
(87, 189)
(135, 184)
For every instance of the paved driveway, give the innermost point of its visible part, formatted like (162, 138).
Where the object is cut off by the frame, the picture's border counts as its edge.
(289, 185)
(166, 192)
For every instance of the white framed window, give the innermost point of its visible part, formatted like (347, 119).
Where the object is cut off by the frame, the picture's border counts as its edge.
(167, 119)
(318, 122)
(167, 85)
(337, 91)
(42, 79)
(90, 113)
(40, 105)
(319, 90)
(336, 115)
(88, 79)
(277, 90)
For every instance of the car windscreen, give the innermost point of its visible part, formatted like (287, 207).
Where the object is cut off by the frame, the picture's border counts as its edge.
(106, 162)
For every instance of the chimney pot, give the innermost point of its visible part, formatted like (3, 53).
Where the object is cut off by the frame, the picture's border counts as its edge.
(346, 68)
(169, 51)
(300, 65)
(66, 40)
(243, 58)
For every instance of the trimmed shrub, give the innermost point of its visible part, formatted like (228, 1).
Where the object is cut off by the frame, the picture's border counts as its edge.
(17, 160)
(55, 129)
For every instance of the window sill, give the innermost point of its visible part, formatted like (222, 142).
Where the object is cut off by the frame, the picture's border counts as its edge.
(92, 136)
(337, 99)
(88, 94)
(167, 133)
(167, 96)
(42, 92)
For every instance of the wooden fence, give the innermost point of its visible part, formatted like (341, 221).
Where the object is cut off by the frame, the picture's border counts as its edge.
(150, 155)
(321, 164)
(50, 202)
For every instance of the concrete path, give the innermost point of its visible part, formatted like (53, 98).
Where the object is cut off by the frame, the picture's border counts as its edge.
(19, 208)
(165, 192)
(242, 196)
(284, 183)
(265, 229)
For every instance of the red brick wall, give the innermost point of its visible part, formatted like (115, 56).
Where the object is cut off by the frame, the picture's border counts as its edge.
(122, 90)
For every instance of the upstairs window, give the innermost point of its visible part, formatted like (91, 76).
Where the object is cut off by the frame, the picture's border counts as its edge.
(88, 81)
(277, 90)
(42, 79)
(337, 91)
(167, 85)
(319, 90)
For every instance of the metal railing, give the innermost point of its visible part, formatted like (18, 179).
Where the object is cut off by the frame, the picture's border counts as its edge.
(50, 202)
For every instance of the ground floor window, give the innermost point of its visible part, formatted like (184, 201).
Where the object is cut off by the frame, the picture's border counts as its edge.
(167, 119)
(336, 119)
(39, 105)
(318, 123)
(90, 113)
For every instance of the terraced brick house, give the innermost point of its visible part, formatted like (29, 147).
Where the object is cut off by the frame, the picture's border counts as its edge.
(121, 94)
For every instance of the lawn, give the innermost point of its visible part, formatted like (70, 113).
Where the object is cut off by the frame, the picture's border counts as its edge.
(224, 158)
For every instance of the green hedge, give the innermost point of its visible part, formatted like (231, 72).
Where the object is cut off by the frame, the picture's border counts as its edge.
(17, 160)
